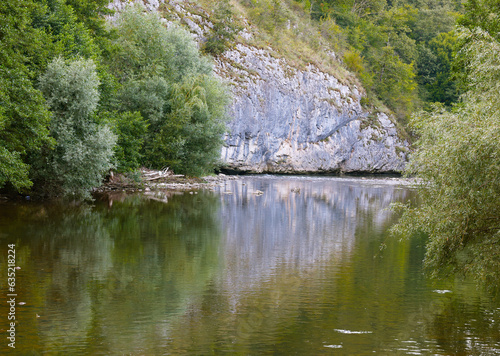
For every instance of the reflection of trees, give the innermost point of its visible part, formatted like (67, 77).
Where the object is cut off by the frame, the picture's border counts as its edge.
(284, 304)
(236, 273)
(443, 322)
(114, 274)
(467, 319)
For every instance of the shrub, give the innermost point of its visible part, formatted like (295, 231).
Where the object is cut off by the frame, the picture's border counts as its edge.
(130, 129)
(167, 80)
(84, 148)
(224, 29)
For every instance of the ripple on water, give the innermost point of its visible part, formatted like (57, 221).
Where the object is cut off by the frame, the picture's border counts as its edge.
(342, 331)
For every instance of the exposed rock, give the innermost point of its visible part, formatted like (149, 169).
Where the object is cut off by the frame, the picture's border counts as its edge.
(286, 120)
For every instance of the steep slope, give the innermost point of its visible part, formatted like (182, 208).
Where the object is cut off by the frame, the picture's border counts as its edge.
(286, 120)
(291, 120)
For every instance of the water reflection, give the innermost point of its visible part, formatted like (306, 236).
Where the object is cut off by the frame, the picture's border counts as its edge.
(109, 278)
(263, 265)
(298, 222)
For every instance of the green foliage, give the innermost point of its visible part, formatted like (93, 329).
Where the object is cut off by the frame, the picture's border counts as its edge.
(479, 14)
(404, 33)
(394, 81)
(482, 14)
(91, 13)
(353, 61)
(190, 137)
(84, 148)
(435, 69)
(270, 15)
(147, 96)
(23, 113)
(457, 158)
(68, 37)
(147, 49)
(130, 129)
(165, 78)
(224, 29)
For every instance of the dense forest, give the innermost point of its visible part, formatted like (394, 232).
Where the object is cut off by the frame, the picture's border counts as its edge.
(79, 97)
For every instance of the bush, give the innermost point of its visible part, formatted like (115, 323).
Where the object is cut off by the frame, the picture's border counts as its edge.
(190, 137)
(130, 129)
(224, 29)
(457, 159)
(84, 148)
(165, 78)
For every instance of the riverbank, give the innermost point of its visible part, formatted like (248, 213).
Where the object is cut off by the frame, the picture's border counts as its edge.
(149, 180)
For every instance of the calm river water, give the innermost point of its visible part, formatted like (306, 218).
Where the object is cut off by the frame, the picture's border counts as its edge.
(262, 265)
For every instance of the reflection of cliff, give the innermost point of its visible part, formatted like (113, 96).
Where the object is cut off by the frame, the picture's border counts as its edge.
(297, 222)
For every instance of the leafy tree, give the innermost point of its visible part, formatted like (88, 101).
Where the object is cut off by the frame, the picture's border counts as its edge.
(479, 14)
(68, 37)
(165, 78)
(457, 158)
(483, 14)
(433, 18)
(190, 137)
(394, 81)
(23, 114)
(443, 87)
(91, 13)
(146, 48)
(224, 28)
(84, 147)
(130, 129)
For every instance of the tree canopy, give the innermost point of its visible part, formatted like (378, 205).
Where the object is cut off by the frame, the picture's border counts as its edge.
(78, 97)
(23, 113)
(165, 78)
(457, 158)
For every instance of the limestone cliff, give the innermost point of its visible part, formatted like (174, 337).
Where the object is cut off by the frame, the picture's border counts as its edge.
(286, 120)
(289, 120)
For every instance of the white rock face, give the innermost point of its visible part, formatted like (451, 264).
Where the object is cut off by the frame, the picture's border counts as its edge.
(301, 121)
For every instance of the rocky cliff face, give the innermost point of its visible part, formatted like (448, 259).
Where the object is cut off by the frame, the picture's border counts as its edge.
(285, 120)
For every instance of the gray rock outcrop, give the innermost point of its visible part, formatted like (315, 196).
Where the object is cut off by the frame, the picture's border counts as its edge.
(285, 120)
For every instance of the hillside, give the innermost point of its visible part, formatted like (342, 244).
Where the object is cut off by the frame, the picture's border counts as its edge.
(283, 86)
(293, 111)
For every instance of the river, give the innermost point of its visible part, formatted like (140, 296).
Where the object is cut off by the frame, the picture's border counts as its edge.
(260, 265)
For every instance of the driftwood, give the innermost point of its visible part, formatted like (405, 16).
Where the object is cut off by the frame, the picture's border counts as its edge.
(164, 176)
(155, 175)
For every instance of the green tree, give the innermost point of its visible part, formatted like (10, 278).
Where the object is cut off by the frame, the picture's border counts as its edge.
(224, 28)
(433, 18)
(130, 129)
(394, 81)
(479, 14)
(483, 14)
(190, 137)
(68, 37)
(84, 147)
(23, 114)
(165, 78)
(443, 89)
(457, 158)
